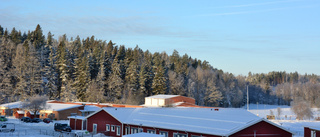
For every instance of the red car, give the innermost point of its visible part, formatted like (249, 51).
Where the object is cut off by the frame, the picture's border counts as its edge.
(47, 120)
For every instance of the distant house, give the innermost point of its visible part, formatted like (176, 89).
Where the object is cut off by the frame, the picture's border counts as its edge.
(31, 114)
(311, 131)
(168, 100)
(60, 111)
(182, 122)
(54, 109)
(19, 114)
(9, 109)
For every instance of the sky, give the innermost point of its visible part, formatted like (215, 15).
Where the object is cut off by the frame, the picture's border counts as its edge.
(237, 36)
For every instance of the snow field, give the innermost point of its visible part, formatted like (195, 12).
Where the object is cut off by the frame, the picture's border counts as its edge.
(287, 118)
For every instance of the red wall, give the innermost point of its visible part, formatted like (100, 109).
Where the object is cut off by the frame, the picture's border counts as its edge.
(28, 114)
(307, 132)
(183, 99)
(101, 119)
(262, 129)
(170, 132)
(78, 124)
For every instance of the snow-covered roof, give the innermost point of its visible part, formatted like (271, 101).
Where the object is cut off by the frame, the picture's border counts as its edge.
(60, 106)
(11, 105)
(90, 108)
(162, 96)
(199, 120)
(315, 128)
(20, 112)
(77, 117)
(32, 112)
(94, 103)
(143, 134)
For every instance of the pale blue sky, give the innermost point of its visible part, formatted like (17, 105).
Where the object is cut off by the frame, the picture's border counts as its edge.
(236, 36)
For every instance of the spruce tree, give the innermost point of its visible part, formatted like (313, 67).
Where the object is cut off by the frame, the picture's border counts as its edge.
(82, 75)
(132, 78)
(159, 84)
(62, 67)
(51, 72)
(115, 83)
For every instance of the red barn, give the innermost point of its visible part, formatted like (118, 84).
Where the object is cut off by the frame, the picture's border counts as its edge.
(19, 114)
(311, 132)
(183, 122)
(31, 114)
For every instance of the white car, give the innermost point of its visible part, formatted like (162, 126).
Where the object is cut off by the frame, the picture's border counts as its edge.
(7, 127)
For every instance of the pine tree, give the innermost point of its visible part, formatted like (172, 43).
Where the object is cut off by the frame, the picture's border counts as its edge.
(132, 78)
(62, 67)
(159, 81)
(115, 81)
(20, 70)
(33, 73)
(97, 87)
(82, 76)
(143, 80)
(1, 31)
(37, 37)
(51, 72)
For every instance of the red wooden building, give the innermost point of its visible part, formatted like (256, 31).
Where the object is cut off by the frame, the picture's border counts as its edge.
(311, 132)
(19, 114)
(182, 122)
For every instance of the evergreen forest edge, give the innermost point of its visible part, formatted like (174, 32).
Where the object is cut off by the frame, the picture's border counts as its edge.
(91, 70)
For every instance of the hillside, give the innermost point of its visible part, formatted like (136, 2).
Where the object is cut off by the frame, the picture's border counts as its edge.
(75, 69)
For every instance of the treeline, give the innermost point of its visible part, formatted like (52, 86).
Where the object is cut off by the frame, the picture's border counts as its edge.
(99, 71)
(289, 86)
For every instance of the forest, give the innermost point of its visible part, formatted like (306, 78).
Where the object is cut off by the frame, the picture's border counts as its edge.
(93, 70)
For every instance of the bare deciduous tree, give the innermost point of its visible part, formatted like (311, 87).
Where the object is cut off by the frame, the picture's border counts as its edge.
(35, 103)
(279, 112)
(301, 108)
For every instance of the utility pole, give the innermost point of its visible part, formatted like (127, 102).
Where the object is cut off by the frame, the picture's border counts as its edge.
(247, 98)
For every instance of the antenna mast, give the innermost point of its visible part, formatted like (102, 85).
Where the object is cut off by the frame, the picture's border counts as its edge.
(247, 97)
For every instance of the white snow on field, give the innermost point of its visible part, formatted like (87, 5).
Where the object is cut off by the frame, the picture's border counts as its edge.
(41, 129)
(31, 129)
(287, 118)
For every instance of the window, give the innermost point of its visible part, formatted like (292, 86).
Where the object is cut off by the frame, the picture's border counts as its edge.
(107, 127)
(194, 136)
(179, 135)
(127, 132)
(112, 128)
(151, 131)
(118, 130)
(134, 130)
(140, 130)
(163, 133)
(313, 133)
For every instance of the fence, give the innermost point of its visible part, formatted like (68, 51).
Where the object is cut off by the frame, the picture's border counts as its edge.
(23, 133)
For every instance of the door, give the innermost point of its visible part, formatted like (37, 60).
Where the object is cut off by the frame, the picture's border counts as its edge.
(84, 124)
(95, 128)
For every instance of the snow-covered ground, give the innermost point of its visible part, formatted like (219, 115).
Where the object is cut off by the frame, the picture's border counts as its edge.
(41, 129)
(287, 118)
(31, 129)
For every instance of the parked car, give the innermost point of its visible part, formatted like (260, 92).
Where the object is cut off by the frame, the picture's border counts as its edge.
(26, 119)
(62, 127)
(36, 120)
(3, 118)
(7, 127)
(47, 120)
